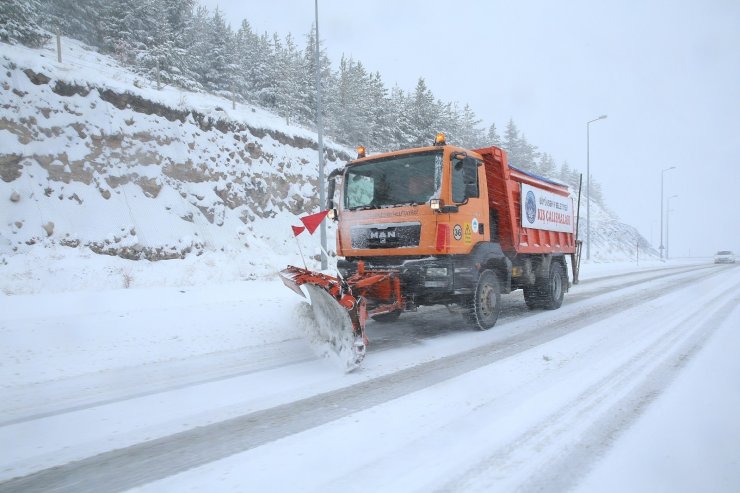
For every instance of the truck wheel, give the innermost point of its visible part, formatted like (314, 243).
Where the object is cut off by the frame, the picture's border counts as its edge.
(532, 297)
(482, 312)
(389, 317)
(554, 290)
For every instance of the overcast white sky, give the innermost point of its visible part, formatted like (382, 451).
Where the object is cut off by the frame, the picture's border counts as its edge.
(667, 74)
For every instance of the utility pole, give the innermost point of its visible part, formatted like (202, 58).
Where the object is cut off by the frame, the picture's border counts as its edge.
(588, 189)
(59, 46)
(668, 227)
(319, 124)
(661, 208)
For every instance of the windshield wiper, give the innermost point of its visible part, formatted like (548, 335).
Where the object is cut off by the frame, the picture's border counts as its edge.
(386, 206)
(365, 207)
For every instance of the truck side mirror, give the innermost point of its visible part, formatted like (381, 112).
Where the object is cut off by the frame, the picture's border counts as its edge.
(331, 186)
(330, 194)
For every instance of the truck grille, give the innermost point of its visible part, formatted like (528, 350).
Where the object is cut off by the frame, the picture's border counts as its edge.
(393, 235)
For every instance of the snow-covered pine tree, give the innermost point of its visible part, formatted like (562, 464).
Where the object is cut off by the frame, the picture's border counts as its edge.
(179, 17)
(124, 25)
(471, 133)
(423, 115)
(522, 154)
(402, 130)
(547, 166)
(493, 138)
(382, 114)
(219, 63)
(79, 19)
(338, 122)
(353, 109)
(449, 122)
(157, 53)
(289, 70)
(529, 155)
(564, 174)
(18, 23)
(596, 192)
(363, 103)
(261, 74)
(512, 143)
(328, 85)
(195, 39)
(244, 51)
(571, 176)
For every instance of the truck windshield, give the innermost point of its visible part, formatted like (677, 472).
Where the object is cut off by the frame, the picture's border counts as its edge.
(399, 180)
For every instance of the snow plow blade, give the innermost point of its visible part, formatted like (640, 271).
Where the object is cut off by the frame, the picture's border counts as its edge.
(340, 316)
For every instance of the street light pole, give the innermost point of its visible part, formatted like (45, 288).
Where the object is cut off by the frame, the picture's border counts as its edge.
(319, 124)
(667, 226)
(661, 208)
(588, 188)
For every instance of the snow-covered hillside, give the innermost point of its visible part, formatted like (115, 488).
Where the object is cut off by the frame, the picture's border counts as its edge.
(96, 160)
(613, 240)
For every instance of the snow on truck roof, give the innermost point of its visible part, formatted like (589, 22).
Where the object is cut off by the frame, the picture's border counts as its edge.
(539, 177)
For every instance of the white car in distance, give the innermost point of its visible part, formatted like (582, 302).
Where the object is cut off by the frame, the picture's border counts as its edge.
(724, 257)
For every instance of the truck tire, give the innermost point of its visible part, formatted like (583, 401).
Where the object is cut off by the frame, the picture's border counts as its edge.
(532, 296)
(482, 311)
(554, 289)
(386, 318)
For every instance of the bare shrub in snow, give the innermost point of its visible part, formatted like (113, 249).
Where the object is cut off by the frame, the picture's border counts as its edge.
(128, 278)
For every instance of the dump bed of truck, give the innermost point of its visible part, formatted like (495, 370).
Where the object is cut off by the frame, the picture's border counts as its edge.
(544, 223)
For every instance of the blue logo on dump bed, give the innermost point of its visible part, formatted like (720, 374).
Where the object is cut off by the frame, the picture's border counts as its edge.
(531, 207)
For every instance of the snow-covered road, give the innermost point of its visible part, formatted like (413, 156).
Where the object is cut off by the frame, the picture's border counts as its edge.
(205, 389)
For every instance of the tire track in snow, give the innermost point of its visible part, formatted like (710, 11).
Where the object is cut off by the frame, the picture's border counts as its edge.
(596, 413)
(254, 362)
(145, 462)
(197, 370)
(436, 321)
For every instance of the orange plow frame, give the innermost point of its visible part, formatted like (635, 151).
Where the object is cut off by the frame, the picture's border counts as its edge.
(381, 288)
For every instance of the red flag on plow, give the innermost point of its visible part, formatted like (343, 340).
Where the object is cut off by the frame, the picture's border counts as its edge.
(312, 221)
(297, 230)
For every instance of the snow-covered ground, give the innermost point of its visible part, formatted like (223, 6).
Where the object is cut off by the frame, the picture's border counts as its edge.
(631, 385)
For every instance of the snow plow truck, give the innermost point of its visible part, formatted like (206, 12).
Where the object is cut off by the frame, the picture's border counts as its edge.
(438, 225)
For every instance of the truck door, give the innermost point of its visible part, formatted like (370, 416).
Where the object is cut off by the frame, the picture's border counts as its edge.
(470, 224)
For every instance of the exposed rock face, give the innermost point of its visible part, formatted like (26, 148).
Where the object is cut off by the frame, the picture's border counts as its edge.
(10, 167)
(36, 78)
(79, 138)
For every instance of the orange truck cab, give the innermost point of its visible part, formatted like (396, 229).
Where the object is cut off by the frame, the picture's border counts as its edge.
(456, 226)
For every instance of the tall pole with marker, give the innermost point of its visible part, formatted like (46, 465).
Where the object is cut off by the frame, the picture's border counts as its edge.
(661, 209)
(588, 188)
(319, 125)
